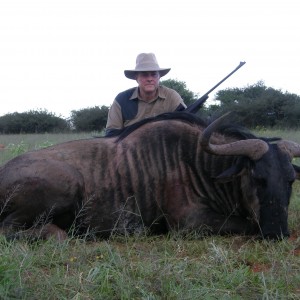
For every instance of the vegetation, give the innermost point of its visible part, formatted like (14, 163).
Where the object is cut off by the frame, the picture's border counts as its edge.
(16, 144)
(32, 122)
(258, 105)
(161, 267)
(89, 119)
(149, 267)
(180, 86)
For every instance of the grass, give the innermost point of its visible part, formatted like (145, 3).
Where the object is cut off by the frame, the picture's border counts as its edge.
(288, 134)
(16, 144)
(161, 267)
(148, 267)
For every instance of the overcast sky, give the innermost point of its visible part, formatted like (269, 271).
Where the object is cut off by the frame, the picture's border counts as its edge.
(64, 55)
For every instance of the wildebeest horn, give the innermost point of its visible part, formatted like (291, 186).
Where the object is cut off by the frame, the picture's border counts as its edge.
(292, 148)
(252, 148)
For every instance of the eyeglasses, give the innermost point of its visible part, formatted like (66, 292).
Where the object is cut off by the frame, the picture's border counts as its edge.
(151, 74)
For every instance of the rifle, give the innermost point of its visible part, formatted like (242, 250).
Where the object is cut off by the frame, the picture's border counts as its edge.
(193, 108)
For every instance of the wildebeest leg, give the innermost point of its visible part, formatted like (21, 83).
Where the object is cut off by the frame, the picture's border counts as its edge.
(44, 232)
(201, 218)
(39, 231)
(51, 195)
(220, 224)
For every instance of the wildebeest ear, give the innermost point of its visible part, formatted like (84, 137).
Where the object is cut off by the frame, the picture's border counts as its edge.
(228, 174)
(297, 170)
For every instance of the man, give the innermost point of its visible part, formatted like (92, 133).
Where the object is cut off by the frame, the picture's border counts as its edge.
(146, 100)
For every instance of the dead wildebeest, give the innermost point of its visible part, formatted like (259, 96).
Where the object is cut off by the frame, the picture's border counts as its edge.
(171, 172)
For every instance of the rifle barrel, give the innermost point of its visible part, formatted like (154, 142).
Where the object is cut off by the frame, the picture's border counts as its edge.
(193, 108)
(239, 66)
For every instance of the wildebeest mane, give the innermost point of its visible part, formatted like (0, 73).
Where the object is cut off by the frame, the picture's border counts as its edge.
(229, 128)
(182, 116)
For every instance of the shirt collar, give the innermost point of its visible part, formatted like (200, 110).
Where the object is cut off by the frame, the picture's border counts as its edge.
(161, 94)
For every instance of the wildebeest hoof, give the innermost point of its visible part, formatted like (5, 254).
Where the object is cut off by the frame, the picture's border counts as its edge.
(52, 231)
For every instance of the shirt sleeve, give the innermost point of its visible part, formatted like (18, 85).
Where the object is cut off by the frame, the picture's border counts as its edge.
(180, 101)
(175, 99)
(114, 117)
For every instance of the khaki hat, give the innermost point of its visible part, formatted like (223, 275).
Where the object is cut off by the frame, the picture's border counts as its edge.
(146, 62)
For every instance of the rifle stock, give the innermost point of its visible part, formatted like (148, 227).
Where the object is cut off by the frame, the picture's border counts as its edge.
(193, 108)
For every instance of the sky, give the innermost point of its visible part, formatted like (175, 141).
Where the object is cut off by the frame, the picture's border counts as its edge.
(64, 55)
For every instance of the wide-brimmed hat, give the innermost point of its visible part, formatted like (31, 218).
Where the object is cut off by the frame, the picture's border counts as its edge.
(146, 62)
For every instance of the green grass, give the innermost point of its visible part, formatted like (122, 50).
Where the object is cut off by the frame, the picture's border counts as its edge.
(16, 144)
(148, 267)
(162, 267)
(293, 135)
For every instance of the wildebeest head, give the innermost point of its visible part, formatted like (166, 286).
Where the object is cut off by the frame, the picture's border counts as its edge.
(269, 172)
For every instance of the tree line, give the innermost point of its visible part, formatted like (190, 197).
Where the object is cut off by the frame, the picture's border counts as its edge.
(259, 106)
(255, 106)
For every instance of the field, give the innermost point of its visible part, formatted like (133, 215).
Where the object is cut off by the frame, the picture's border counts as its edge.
(149, 267)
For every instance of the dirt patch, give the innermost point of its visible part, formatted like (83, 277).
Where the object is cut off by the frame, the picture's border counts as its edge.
(259, 267)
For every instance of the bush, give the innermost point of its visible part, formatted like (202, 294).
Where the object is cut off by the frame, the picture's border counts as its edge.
(32, 122)
(258, 105)
(89, 119)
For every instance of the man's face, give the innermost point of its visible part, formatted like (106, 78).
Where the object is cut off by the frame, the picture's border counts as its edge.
(148, 81)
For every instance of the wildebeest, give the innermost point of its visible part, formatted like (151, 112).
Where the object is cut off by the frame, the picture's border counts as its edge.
(171, 172)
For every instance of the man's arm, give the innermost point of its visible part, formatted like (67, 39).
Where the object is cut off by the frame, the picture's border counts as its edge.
(112, 132)
(180, 107)
(114, 119)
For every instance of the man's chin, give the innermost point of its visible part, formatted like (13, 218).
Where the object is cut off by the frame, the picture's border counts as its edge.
(150, 89)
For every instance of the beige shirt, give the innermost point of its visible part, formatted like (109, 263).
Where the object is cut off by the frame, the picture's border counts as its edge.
(167, 101)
